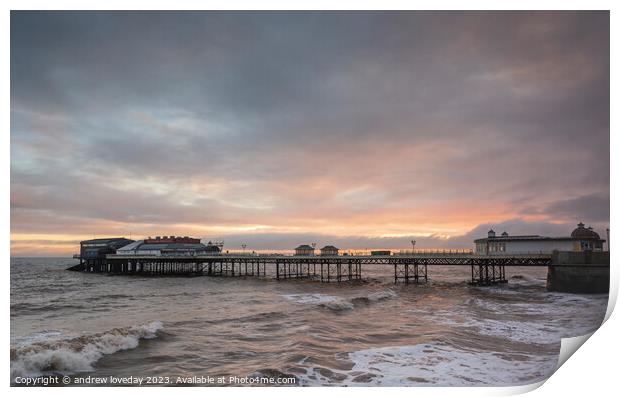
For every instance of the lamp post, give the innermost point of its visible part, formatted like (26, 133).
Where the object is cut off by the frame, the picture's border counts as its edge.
(608, 239)
(243, 246)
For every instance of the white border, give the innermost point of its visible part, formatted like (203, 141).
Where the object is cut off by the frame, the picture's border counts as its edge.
(592, 371)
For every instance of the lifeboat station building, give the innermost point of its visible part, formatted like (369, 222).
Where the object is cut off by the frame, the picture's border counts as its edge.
(93, 252)
(581, 239)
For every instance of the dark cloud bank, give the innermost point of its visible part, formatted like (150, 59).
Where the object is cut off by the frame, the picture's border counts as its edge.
(280, 118)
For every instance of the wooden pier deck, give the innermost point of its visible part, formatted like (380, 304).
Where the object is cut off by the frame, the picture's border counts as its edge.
(410, 268)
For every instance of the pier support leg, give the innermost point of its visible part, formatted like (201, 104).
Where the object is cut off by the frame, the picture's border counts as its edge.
(488, 274)
(406, 271)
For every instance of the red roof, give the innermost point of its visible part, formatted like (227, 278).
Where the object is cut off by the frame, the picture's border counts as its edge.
(172, 239)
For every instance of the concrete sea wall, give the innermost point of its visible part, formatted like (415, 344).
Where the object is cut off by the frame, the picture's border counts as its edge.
(587, 272)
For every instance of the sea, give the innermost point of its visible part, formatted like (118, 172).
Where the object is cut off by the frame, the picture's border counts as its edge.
(210, 331)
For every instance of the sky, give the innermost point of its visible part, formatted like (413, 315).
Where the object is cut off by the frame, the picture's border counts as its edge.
(274, 129)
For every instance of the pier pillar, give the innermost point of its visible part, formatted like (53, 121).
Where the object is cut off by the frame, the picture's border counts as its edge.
(408, 271)
(488, 274)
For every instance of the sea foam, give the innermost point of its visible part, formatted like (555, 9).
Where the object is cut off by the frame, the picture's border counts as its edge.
(336, 303)
(79, 354)
(432, 364)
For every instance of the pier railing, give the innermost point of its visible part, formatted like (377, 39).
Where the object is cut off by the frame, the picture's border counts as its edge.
(435, 252)
(359, 253)
(363, 252)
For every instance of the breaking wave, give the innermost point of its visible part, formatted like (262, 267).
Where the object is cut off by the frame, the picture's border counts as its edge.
(375, 297)
(336, 303)
(527, 279)
(68, 356)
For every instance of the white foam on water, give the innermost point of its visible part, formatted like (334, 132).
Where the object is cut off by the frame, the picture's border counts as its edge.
(68, 356)
(336, 303)
(549, 303)
(381, 295)
(434, 365)
(524, 331)
(328, 301)
(312, 299)
(42, 336)
(525, 279)
(547, 321)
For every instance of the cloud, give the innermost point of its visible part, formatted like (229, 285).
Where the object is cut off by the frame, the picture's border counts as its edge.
(349, 123)
(593, 207)
(267, 240)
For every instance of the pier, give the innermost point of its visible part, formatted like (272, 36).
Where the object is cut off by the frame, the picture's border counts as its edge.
(575, 263)
(407, 268)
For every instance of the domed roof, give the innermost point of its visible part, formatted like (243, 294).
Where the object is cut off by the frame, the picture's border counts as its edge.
(583, 232)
